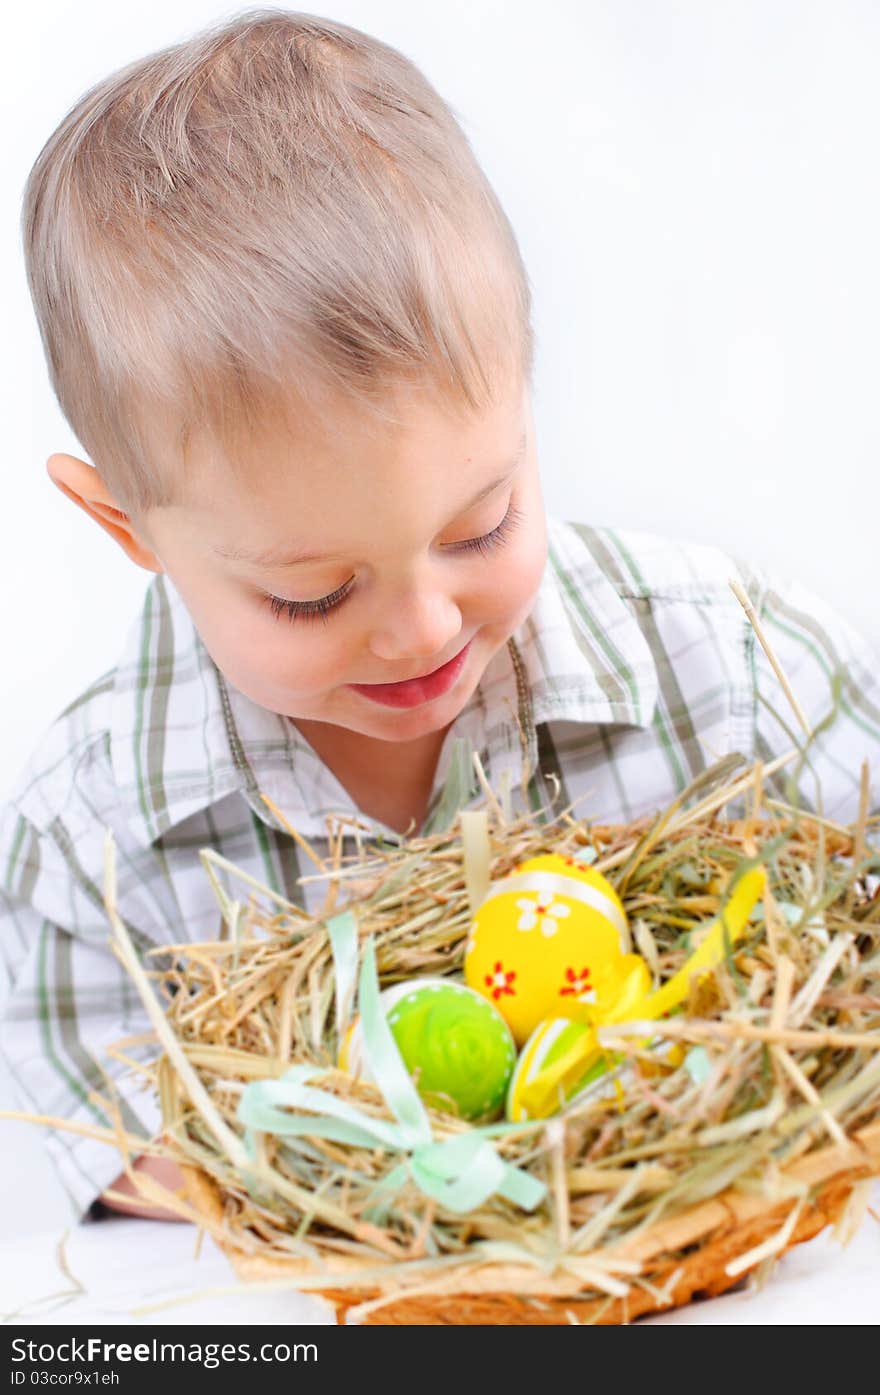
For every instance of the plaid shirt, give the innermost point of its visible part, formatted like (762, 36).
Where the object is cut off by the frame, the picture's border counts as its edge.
(636, 669)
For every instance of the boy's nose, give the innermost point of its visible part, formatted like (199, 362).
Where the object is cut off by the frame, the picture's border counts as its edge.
(421, 625)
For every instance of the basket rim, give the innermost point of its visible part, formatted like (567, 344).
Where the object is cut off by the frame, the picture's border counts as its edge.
(728, 1210)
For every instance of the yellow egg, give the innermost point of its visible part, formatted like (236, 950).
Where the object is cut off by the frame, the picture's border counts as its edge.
(550, 940)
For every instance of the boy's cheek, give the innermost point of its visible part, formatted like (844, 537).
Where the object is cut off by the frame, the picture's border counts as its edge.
(512, 593)
(273, 660)
(270, 660)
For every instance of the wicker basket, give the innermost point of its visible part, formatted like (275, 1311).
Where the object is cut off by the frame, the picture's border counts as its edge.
(684, 1257)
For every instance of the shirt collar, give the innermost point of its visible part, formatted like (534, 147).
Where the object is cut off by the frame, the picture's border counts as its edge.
(183, 738)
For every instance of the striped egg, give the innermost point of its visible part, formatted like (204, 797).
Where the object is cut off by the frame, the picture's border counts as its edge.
(562, 1063)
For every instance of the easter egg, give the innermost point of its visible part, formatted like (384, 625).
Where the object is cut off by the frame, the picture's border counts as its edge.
(562, 1063)
(550, 940)
(455, 1044)
(556, 1062)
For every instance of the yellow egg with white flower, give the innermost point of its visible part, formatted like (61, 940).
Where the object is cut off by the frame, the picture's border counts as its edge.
(551, 940)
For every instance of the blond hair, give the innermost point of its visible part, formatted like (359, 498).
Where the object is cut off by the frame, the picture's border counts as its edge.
(279, 207)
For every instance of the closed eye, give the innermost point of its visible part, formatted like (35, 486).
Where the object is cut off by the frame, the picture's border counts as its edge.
(307, 609)
(311, 610)
(489, 541)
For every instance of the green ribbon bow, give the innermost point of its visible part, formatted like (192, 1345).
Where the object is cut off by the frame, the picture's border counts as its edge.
(460, 1172)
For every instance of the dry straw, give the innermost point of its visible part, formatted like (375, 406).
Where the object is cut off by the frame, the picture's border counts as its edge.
(683, 1177)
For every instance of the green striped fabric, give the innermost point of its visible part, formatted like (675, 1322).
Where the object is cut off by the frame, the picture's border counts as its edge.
(636, 670)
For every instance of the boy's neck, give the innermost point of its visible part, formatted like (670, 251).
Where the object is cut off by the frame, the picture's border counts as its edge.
(391, 781)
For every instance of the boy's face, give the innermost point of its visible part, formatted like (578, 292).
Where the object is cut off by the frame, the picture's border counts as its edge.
(385, 514)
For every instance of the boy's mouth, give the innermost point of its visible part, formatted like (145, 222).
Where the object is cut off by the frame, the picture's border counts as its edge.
(414, 691)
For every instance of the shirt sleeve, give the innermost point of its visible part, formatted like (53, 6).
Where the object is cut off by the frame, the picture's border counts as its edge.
(64, 998)
(834, 673)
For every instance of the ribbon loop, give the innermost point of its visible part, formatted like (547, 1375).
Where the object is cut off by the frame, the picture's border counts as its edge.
(265, 1105)
(461, 1172)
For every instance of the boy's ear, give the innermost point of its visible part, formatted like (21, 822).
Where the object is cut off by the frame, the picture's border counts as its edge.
(82, 483)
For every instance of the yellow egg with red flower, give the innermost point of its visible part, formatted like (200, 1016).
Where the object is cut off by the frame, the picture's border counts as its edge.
(551, 940)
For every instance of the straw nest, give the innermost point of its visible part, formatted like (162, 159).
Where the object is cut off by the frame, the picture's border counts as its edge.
(692, 1173)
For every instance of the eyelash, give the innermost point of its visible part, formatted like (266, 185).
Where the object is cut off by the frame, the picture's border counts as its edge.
(310, 610)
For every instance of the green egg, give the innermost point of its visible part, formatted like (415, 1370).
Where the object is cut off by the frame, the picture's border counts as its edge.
(455, 1044)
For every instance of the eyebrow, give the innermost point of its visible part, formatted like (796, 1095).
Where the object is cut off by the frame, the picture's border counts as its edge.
(281, 557)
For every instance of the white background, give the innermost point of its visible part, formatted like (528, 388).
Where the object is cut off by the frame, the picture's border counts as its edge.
(694, 186)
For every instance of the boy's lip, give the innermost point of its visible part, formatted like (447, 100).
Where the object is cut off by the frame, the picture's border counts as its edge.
(413, 691)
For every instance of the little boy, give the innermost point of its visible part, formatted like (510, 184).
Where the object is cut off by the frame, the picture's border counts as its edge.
(289, 322)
